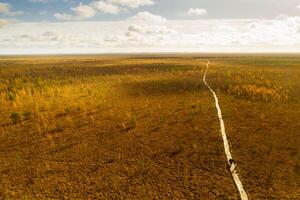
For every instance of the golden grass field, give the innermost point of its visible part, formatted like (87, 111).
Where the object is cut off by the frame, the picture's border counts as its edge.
(146, 127)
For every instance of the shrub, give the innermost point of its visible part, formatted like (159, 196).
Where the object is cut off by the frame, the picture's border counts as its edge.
(27, 115)
(11, 96)
(16, 117)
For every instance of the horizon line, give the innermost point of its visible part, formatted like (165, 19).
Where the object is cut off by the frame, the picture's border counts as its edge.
(149, 53)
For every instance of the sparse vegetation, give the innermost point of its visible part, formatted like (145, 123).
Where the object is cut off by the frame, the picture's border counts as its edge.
(146, 127)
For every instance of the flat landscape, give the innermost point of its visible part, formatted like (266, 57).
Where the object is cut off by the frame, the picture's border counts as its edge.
(146, 126)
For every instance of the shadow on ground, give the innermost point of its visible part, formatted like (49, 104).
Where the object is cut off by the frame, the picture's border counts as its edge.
(165, 87)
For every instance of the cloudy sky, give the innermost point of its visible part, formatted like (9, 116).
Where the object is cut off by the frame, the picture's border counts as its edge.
(127, 26)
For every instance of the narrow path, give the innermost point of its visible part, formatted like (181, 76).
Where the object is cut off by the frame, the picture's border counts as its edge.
(230, 161)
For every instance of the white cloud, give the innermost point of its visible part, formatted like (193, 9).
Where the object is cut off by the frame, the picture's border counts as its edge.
(4, 22)
(113, 38)
(147, 35)
(196, 12)
(105, 7)
(83, 12)
(150, 29)
(280, 34)
(132, 3)
(80, 12)
(148, 18)
(5, 9)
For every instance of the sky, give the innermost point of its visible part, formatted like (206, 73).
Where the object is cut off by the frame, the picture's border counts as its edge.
(138, 26)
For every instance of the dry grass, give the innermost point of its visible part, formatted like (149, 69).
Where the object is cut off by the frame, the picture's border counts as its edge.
(146, 127)
(260, 102)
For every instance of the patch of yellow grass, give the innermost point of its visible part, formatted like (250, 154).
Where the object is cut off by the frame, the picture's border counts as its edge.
(259, 92)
